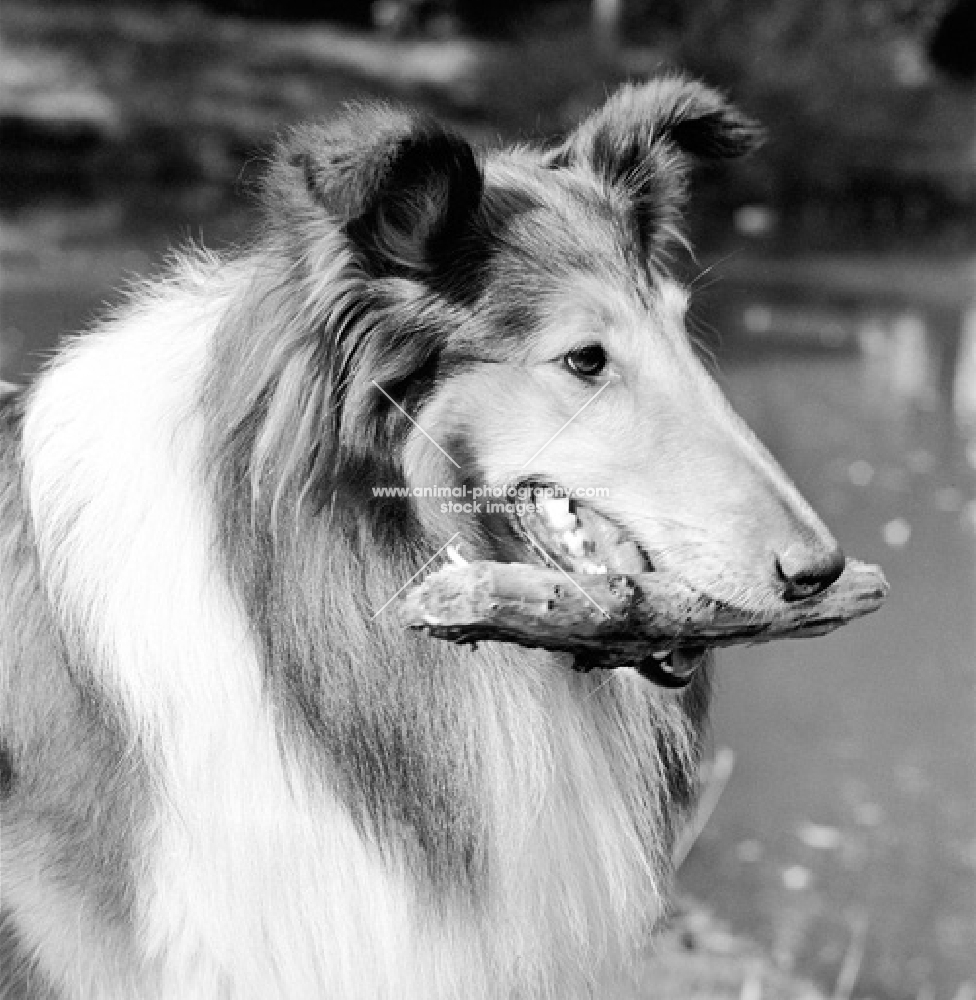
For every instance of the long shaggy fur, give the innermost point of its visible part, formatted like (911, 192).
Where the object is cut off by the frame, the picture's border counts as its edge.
(227, 771)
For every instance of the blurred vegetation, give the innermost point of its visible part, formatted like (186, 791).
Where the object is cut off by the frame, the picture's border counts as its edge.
(870, 141)
(859, 119)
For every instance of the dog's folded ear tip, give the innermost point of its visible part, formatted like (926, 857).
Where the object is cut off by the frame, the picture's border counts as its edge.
(670, 108)
(722, 134)
(698, 118)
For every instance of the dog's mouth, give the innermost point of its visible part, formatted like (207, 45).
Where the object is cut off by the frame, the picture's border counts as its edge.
(560, 530)
(571, 534)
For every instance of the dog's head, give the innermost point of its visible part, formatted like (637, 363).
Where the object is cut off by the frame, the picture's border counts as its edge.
(507, 325)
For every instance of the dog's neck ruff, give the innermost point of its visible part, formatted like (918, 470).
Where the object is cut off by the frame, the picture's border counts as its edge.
(336, 811)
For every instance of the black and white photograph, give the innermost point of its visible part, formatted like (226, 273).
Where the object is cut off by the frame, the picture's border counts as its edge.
(488, 500)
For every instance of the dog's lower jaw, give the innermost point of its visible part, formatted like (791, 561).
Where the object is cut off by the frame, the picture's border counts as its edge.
(673, 669)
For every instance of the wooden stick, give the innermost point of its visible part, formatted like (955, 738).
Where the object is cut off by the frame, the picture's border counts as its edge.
(618, 617)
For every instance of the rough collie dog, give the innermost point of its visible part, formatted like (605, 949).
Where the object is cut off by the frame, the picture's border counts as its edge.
(229, 772)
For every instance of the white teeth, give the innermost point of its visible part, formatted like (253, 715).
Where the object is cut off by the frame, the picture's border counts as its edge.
(591, 568)
(583, 536)
(578, 543)
(558, 514)
(661, 655)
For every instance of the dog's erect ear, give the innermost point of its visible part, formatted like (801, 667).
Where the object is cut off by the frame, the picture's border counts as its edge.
(642, 139)
(402, 187)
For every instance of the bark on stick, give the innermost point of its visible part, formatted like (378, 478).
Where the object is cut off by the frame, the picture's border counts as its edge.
(618, 617)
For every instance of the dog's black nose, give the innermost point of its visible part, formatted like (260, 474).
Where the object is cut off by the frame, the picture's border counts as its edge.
(805, 574)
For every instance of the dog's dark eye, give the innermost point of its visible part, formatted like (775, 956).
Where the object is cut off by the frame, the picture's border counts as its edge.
(587, 361)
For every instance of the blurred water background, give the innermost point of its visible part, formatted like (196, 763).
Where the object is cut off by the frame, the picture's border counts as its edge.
(835, 287)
